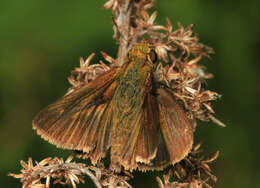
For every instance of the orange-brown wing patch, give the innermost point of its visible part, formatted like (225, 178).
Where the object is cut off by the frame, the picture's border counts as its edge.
(124, 139)
(162, 158)
(147, 142)
(81, 120)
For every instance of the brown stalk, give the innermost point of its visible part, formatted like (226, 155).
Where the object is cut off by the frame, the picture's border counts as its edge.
(123, 23)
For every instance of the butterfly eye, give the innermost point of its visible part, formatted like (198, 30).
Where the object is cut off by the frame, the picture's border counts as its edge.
(153, 56)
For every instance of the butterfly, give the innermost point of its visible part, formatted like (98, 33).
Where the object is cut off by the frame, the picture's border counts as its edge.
(125, 110)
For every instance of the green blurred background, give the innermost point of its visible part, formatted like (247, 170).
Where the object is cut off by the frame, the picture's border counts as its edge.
(41, 42)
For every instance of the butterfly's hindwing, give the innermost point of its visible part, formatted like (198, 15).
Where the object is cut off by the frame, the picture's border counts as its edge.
(176, 129)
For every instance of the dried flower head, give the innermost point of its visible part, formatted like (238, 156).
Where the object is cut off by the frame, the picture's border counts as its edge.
(88, 72)
(192, 171)
(68, 173)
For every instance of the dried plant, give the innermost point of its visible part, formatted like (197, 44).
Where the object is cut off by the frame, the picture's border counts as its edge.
(68, 173)
(179, 52)
(193, 172)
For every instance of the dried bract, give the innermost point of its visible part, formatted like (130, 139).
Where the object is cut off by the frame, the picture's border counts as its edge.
(88, 72)
(67, 173)
(193, 171)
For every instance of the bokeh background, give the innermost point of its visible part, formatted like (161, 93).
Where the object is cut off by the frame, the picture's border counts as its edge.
(41, 42)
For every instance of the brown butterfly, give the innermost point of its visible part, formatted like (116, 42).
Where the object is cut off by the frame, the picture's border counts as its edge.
(124, 110)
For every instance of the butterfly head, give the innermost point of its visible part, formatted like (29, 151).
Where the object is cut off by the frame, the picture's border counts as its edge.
(143, 51)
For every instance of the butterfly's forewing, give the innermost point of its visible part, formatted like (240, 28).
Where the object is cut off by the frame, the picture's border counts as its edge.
(139, 143)
(147, 142)
(174, 133)
(81, 120)
(176, 129)
(151, 152)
